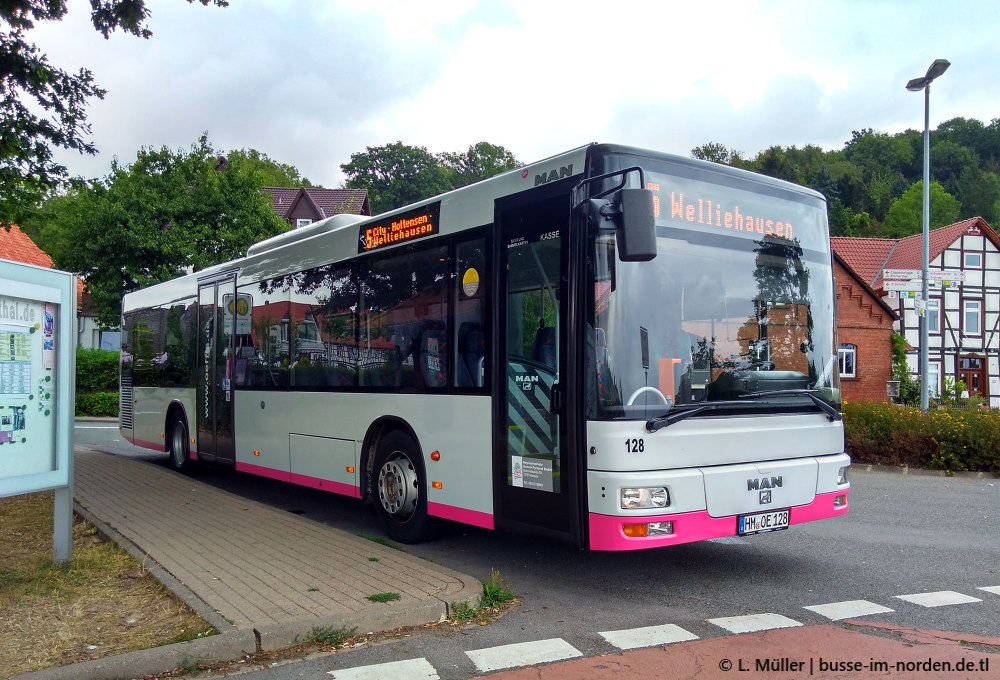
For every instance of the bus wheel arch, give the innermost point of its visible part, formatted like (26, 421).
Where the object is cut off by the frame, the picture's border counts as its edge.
(177, 429)
(397, 482)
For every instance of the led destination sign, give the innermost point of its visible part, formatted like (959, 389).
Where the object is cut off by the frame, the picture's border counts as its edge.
(408, 226)
(715, 213)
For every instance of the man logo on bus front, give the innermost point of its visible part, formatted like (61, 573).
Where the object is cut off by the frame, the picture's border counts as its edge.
(765, 497)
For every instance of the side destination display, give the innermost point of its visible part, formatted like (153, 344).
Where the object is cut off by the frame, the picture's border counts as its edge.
(407, 226)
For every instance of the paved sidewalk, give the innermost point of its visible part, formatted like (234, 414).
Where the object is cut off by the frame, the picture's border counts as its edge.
(262, 577)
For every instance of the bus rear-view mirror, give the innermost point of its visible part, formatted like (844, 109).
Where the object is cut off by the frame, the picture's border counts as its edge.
(635, 228)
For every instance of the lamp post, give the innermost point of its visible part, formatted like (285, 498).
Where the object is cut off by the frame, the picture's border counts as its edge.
(916, 85)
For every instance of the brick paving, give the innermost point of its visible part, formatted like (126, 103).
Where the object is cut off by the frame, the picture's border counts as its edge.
(255, 565)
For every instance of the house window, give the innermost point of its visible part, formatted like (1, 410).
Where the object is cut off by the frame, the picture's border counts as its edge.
(933, 380)
(973, 261)
(972, 314)
(934, 316)
(847, 356)
(303, 222)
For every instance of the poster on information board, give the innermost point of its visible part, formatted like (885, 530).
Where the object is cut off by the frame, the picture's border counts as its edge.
(37, 322)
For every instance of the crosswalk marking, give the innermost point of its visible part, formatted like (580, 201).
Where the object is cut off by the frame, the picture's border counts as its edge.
(991, 589)
(522, 654)
(838, 611)
(754, 622)
(649, 636)
(939, 599)
(412, 669)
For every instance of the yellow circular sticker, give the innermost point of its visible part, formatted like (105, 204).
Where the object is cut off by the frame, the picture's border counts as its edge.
(470, 282)
(242, 307)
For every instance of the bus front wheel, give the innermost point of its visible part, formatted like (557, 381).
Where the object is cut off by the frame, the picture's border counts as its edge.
(180, 460)
(400, 489)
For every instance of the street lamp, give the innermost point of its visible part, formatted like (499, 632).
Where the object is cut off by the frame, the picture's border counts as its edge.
(937, 68)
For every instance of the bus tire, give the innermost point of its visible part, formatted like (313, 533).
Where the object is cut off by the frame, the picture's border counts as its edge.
(400, 489)
(177, 448)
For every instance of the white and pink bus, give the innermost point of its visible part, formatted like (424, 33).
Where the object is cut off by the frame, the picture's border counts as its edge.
(614, 347)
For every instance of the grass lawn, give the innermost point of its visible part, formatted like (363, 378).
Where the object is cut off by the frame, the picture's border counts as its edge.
(103, 602)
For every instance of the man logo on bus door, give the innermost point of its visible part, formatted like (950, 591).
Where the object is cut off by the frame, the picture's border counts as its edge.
(527, 382)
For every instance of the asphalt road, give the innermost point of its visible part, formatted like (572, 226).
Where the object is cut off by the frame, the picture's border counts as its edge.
(905, 534)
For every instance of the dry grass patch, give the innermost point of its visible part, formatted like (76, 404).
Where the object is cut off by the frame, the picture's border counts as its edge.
(101, 603)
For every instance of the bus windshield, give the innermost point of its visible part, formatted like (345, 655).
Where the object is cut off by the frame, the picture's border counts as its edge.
(736, 307)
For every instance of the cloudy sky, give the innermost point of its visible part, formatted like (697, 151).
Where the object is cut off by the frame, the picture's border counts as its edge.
(308, 82)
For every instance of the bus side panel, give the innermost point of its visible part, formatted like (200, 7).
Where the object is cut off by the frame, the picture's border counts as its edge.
(150, 412)
(457, 426)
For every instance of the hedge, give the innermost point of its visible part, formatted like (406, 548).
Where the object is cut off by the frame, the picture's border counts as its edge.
(97, 404)
(96, 370)
(951, 439)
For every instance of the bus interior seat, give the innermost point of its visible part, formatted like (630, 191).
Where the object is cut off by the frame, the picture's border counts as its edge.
(545, 346)
(471, 354)
(433, 356)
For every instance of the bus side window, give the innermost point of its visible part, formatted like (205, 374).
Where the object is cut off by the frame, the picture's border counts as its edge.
(468, 346)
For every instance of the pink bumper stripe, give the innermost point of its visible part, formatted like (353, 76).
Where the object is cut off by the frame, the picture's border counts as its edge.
(261, 471)
(473, 517)
(606, 531)
(156, 446)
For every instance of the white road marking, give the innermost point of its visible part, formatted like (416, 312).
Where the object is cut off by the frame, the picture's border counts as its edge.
(522, 654)
(650, 636)
(991, 589)
(754, 622)
(938, 599)
(729, 540)
(413, 669)
(838, 611)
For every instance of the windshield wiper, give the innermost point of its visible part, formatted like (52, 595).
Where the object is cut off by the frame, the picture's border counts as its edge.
(831, 412)
(684, 411)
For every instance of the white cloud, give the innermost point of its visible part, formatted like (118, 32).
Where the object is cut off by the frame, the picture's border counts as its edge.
(310, 82)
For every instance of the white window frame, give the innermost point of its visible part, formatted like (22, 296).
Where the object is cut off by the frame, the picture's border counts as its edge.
(934, 379)
(967, 265)
(302, 222)
(844, 350)
(934, 316)
(972, 307)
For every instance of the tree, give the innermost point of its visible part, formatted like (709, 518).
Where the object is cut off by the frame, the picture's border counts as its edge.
(395, 175)
(167, 212)
(716, 153)
(268, 172)
(481, 161)
(905, 217)
(43, 107)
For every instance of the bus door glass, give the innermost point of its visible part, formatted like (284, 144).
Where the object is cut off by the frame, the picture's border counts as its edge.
(215, 370)
(530, 470)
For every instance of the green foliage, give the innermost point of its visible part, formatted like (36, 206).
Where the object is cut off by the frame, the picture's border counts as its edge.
(481, 161)
(96, 370)
(909, 388)
(331, 636)
(384, 597)
(942, 439)
(395, 175)
(265, 171)
(44, 107)
(177, 210)
(495, 591)
(864, 181)
(905, 217)
(97, 404)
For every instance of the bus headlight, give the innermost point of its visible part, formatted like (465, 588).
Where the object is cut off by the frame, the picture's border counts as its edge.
(645, 497)
(842, 476)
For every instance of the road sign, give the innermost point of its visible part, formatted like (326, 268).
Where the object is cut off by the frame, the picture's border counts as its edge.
(900, 274)
(913, 285)
(953, 276)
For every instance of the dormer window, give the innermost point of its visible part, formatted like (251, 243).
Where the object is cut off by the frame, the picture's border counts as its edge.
(302, 222)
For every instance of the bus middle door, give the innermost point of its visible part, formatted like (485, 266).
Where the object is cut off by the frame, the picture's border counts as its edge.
(216, 441)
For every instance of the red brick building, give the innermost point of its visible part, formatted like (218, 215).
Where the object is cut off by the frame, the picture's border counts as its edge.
(864, 336)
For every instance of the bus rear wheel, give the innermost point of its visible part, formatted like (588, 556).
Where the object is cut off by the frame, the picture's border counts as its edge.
(180, 459)
(401, 490)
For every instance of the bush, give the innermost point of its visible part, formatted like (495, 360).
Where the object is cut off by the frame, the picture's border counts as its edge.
(96, 370)
(97, 404)
(941, 439)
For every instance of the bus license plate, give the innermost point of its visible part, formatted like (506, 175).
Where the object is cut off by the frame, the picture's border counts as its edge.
(760, 522)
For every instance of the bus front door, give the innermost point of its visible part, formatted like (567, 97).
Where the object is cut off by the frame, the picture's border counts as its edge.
(215, 391)
(530, 475)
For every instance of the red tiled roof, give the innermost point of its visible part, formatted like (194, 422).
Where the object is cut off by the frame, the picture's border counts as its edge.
(869, 256)
(865, 256)
(326, 202)
(17, 246)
